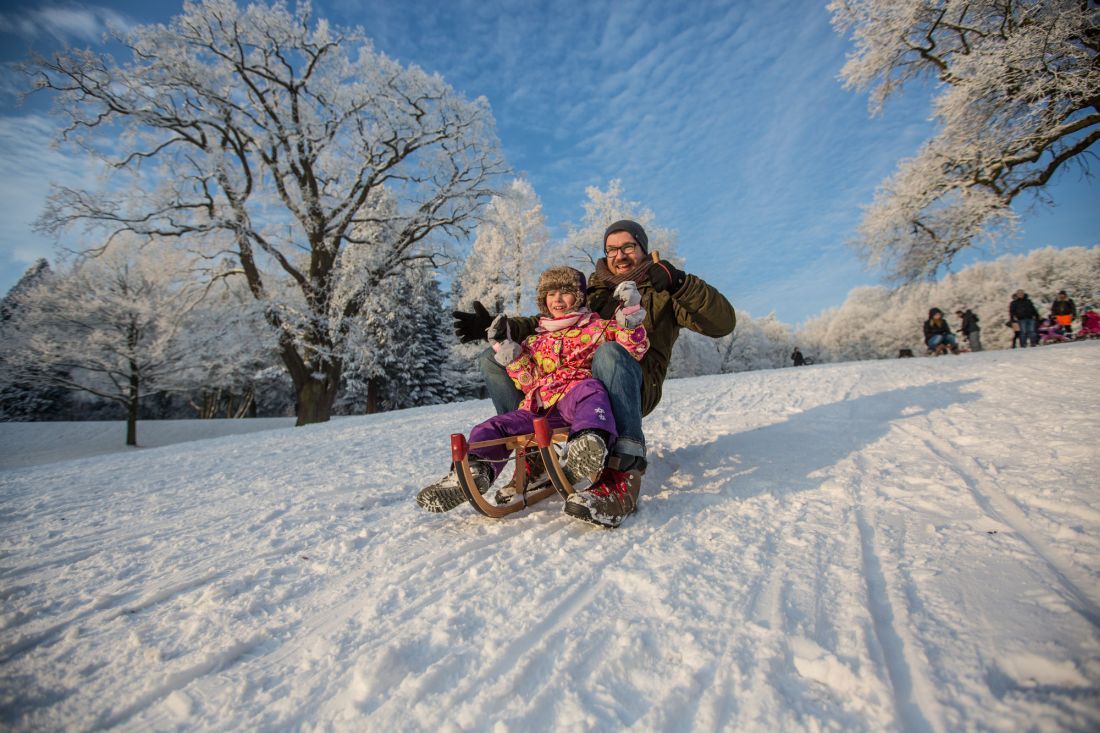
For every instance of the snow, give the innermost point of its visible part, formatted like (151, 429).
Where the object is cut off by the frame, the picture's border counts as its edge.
(902, 545)
(35, 443)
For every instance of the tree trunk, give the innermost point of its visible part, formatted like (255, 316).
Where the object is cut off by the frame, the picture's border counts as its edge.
(372, 395)
(132, 407)
(315, 398)
(315, 385)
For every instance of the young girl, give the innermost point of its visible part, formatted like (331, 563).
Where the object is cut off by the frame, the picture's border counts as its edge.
(553, 369)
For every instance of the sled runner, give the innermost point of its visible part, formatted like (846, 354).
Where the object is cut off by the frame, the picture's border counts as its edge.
(543, 440)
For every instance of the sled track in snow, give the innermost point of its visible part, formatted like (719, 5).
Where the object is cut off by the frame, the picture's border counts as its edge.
(997, 505)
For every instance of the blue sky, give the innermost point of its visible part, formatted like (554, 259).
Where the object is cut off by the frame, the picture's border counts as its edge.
(726, 119)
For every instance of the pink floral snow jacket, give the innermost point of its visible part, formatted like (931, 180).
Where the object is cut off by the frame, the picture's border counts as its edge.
(553, 362)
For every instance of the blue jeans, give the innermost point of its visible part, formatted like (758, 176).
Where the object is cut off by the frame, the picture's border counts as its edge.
(942, 338)
(1028, 332)
(620, 373)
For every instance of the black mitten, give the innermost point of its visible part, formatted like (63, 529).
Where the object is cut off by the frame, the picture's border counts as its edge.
(664, 276)
(470, 327)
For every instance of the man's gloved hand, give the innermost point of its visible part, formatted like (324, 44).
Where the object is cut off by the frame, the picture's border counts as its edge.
(664, 276)
(470, 327)
(627, 293)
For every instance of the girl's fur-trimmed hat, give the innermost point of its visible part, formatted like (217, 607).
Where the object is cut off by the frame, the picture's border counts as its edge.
(561, 278)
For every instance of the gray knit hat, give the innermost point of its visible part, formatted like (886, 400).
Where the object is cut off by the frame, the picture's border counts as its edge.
(626, 225)
(561, 278)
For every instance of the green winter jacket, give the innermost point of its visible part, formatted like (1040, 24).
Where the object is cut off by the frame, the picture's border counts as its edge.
(696, 305)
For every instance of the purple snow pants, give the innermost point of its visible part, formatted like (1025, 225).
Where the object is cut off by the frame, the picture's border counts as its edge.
(583, 407)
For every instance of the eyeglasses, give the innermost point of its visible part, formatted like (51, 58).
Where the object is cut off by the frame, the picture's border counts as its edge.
(626, 249)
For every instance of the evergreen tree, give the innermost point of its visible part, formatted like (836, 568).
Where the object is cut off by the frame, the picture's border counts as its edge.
(397, 352)
(33, 399)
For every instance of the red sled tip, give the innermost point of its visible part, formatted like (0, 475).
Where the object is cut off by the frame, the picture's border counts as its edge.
(544, 436)
(459, 448)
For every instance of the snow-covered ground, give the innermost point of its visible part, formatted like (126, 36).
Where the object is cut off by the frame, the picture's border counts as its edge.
(32, 444)
(907, 545)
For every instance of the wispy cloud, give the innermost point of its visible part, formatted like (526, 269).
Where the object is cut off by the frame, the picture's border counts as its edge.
(28, 165)
(64, 23)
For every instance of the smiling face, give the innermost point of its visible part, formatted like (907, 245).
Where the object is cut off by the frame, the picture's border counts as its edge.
(561, 302)
(623, 252)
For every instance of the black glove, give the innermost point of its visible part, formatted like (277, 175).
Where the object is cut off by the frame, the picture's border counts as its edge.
(470, 327)
(664, 276)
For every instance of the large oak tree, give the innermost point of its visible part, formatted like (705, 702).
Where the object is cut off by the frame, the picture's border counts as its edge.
(264, 133)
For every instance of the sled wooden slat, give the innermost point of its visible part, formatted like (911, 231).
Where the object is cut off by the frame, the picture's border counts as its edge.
(520, 441)
(550, 460)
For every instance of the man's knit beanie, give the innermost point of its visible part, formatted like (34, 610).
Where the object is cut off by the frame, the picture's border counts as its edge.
(562, 278)
(626, 225)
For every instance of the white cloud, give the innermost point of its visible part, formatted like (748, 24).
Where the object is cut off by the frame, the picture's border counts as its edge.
(28, 165)
(64, 23)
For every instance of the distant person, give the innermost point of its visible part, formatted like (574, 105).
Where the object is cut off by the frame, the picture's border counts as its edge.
(1050, 332)
(1062, 311)
(970, 329)
(1024, 312)
(1090, 324)
(1015, 326)
(937, 334)
(797, 358)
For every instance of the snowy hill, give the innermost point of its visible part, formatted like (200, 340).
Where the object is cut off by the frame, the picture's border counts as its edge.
(906, 545)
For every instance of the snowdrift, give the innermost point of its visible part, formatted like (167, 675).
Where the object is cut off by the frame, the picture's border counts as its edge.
(897, 545)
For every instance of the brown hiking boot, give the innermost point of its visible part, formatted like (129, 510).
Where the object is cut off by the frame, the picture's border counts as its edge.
(536, 476)
(610, 500)
(445, 494)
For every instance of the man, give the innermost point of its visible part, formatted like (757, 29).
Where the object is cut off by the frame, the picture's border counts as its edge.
(970, 328)
(672, 300)
(1062, 311)
(1023, 311)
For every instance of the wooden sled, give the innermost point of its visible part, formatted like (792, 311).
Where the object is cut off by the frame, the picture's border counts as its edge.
(543, 439)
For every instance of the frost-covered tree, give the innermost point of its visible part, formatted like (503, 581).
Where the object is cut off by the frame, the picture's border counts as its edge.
(268, 131)
(21, 400)
(875, 322)
(1018, 102)
(238, 347)
(114, 326)
(758, 343)
(417, 360)
(502, 268)
(583, 242)
(397, 350)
